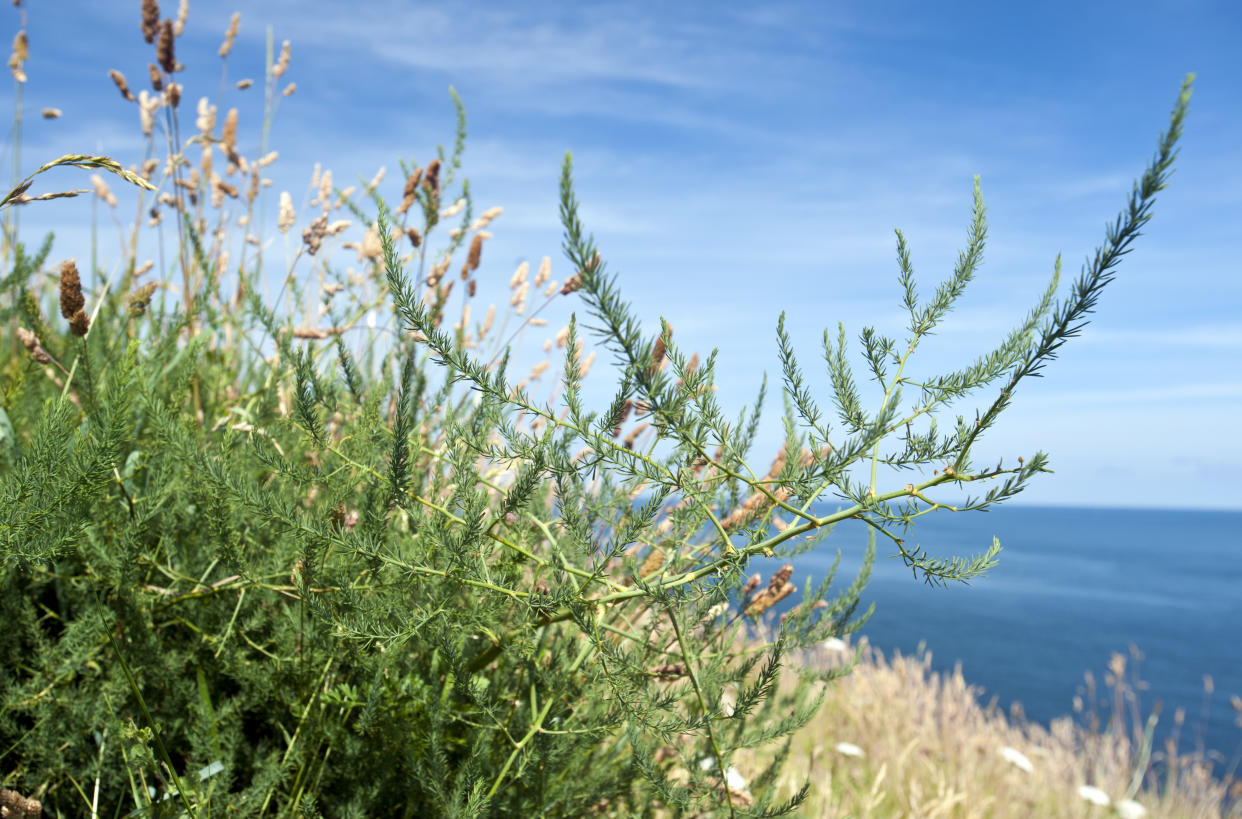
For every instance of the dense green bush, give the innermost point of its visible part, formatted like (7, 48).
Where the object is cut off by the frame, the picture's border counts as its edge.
(255, 567)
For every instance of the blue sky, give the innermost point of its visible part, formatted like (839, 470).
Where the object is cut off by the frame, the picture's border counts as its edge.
(737, 160)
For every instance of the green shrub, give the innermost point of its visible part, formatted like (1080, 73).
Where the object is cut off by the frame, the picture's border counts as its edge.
(251, 568)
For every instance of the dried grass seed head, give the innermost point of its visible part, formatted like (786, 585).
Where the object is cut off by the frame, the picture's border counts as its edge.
(150, 20)
(165, 51)
(183, 12)
(287, 214)
(230, 35)
(21, 49)
(102, 190)
(118, 79)
(408, 192)
(51, 113)
(431, 180)
(282, 62)
(71, 298)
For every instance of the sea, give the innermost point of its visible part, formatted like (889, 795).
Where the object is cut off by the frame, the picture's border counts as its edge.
(1073, 586)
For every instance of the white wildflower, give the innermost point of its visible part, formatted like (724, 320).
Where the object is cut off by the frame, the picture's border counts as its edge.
(1017, 758)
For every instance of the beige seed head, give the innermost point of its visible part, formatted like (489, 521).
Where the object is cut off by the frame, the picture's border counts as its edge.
(370, 247)
(282, 62)
(147, 106)
(519, 275)
(287, 214)
(325, 188)
(572, 284)
(183, 11)
(230, 35)
(21, 50)
(51, 113)
(102, 190)
(453, 209)
(375, 180)
(655, 559)
(228, 134)
(289, 89)
(545, 270)
(21, 46)
(206, 120)
(518, 301)
(242, 85)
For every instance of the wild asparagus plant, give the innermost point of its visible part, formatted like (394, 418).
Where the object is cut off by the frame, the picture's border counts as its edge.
(415, 588)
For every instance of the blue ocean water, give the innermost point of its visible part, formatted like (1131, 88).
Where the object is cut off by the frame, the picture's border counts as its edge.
(1073, 586)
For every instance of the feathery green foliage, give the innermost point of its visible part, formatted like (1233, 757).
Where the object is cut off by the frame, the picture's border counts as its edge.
(240, 578)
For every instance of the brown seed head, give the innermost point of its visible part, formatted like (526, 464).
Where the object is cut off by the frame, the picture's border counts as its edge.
(415, 238)
(140, 299)
(228, 135)
(157, 82)
(242, 85)
(164, 50)
(432, 179)
(407, 195)
(173, 94)
(20, 805)
(80, 323)
(150, 20)
(71, 298)
(476, 252)
(121, 85)
(51, 113)
(668, 671)
(572, 284)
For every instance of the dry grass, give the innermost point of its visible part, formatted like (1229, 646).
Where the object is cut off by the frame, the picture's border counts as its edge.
(895, 738)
